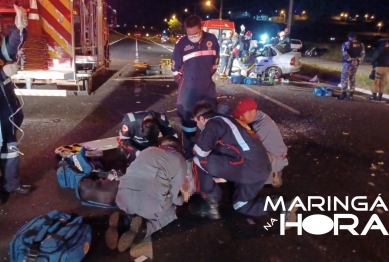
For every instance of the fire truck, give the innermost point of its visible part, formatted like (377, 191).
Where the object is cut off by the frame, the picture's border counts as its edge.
(67, 43)
(218, 27)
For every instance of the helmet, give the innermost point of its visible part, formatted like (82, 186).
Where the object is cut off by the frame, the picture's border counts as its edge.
(235, 50)
(248, 34)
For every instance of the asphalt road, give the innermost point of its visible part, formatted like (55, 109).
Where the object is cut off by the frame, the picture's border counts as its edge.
(332, 146)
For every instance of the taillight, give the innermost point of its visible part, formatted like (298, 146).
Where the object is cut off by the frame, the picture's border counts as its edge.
(293, 61)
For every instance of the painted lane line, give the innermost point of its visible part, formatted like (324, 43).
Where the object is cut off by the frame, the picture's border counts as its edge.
(273, 100)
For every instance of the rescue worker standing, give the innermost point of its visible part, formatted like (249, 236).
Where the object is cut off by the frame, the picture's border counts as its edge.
(380, 63)
(195, 59)
(226, 49)
(140, 130)
(225, 151)
(148, 194)
(267, 132)
(353, 53)
(10, 106)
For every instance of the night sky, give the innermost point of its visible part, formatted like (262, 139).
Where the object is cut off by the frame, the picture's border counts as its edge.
(152, 12)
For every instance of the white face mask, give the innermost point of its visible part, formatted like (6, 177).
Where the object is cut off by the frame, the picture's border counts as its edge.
(194, 38)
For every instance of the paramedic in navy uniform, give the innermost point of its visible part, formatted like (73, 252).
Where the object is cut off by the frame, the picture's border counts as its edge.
(9, 105)
(195, 59)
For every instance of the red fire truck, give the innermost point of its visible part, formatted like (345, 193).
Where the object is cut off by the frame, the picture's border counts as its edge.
(67, 42)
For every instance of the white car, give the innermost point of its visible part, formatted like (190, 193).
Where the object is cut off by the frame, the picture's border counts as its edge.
(275, 58)
(296, 45)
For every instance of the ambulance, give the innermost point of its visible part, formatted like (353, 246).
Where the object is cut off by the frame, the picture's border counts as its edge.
(218, 27)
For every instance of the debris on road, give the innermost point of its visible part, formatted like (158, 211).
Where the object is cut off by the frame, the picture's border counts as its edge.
(372, 175)
(168, 111)
(346, 134)
(379, 151)
(251, 221)
(141, 259)
(373, 167)
(381, 163)
(371, 183)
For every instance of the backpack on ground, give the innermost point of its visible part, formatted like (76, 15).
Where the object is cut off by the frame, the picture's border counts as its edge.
(323, 91)
(68, 174)
(56, 236)
(237, 79)
(97, 192)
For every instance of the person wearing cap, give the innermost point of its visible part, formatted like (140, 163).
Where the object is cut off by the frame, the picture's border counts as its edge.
(225, 151)
(284, 41)
(353, 53)
(141, 130)
(267, 132)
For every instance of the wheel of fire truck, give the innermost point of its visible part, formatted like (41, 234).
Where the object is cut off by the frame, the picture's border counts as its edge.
(87, 85)
(275, 70)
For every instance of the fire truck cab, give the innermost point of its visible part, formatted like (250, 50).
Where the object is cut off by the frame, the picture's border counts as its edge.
(218, 27)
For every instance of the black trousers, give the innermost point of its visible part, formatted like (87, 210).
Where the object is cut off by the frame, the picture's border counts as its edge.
(245, 199)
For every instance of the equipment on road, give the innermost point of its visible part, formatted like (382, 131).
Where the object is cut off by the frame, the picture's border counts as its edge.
(56, 236)
(93, 148)
(67, 43)
(323, 91)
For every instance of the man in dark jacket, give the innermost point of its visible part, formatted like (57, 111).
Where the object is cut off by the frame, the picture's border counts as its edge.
(148, 194)
(11, 115)
(140, 130)
(225, 151)
(380, 63)
(195, 59)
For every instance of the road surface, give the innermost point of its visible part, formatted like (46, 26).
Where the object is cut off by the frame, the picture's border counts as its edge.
(332, 145)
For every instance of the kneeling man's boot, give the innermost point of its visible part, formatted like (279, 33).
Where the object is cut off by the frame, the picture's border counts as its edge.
(209, 208)
(135, 234)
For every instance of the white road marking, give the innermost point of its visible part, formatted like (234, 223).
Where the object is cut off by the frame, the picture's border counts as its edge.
(273, 100)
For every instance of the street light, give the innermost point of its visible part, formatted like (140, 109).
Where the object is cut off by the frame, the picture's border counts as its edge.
(208, 3)
(282, 13)
(379, 27)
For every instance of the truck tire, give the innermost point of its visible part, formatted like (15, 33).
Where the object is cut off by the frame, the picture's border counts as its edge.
(88, 85)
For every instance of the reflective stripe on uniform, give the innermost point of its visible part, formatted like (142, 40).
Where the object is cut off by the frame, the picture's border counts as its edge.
(200, 152)
(9, 155)
(239, 204)
(199, 53)
(4, 50)
(188, 129)
(197, 162)
(237, 135)
(131, 117)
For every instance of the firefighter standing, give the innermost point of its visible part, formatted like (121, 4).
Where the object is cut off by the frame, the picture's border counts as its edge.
(140, 130)
(226, 49)
(225, 151)
(195, 59)
(10, 106)
(353, 53)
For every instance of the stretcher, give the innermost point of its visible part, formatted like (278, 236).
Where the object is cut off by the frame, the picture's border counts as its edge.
(94, 148)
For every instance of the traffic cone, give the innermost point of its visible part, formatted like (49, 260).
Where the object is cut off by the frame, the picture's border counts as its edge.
(35, 48)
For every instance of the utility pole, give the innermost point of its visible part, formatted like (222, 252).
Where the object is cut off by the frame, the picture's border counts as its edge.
(221, 9)
(289, 25)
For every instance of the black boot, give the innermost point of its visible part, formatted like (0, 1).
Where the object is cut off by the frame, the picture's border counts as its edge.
(373, 97)
(342, 96)
(208, 208)
(379, 98)
(135, 234)
(351, 95)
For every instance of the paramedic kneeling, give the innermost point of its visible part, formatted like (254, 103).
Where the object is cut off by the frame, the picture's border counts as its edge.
(148, 194)
(225, 151)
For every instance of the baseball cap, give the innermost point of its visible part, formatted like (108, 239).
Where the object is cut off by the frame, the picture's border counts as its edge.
(244, 105)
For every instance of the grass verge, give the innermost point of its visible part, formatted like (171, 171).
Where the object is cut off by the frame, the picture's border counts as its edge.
(333, 75)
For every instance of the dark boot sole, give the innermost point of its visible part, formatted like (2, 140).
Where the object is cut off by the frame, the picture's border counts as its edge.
(199, 213)
(112, 235)
(128, 237)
